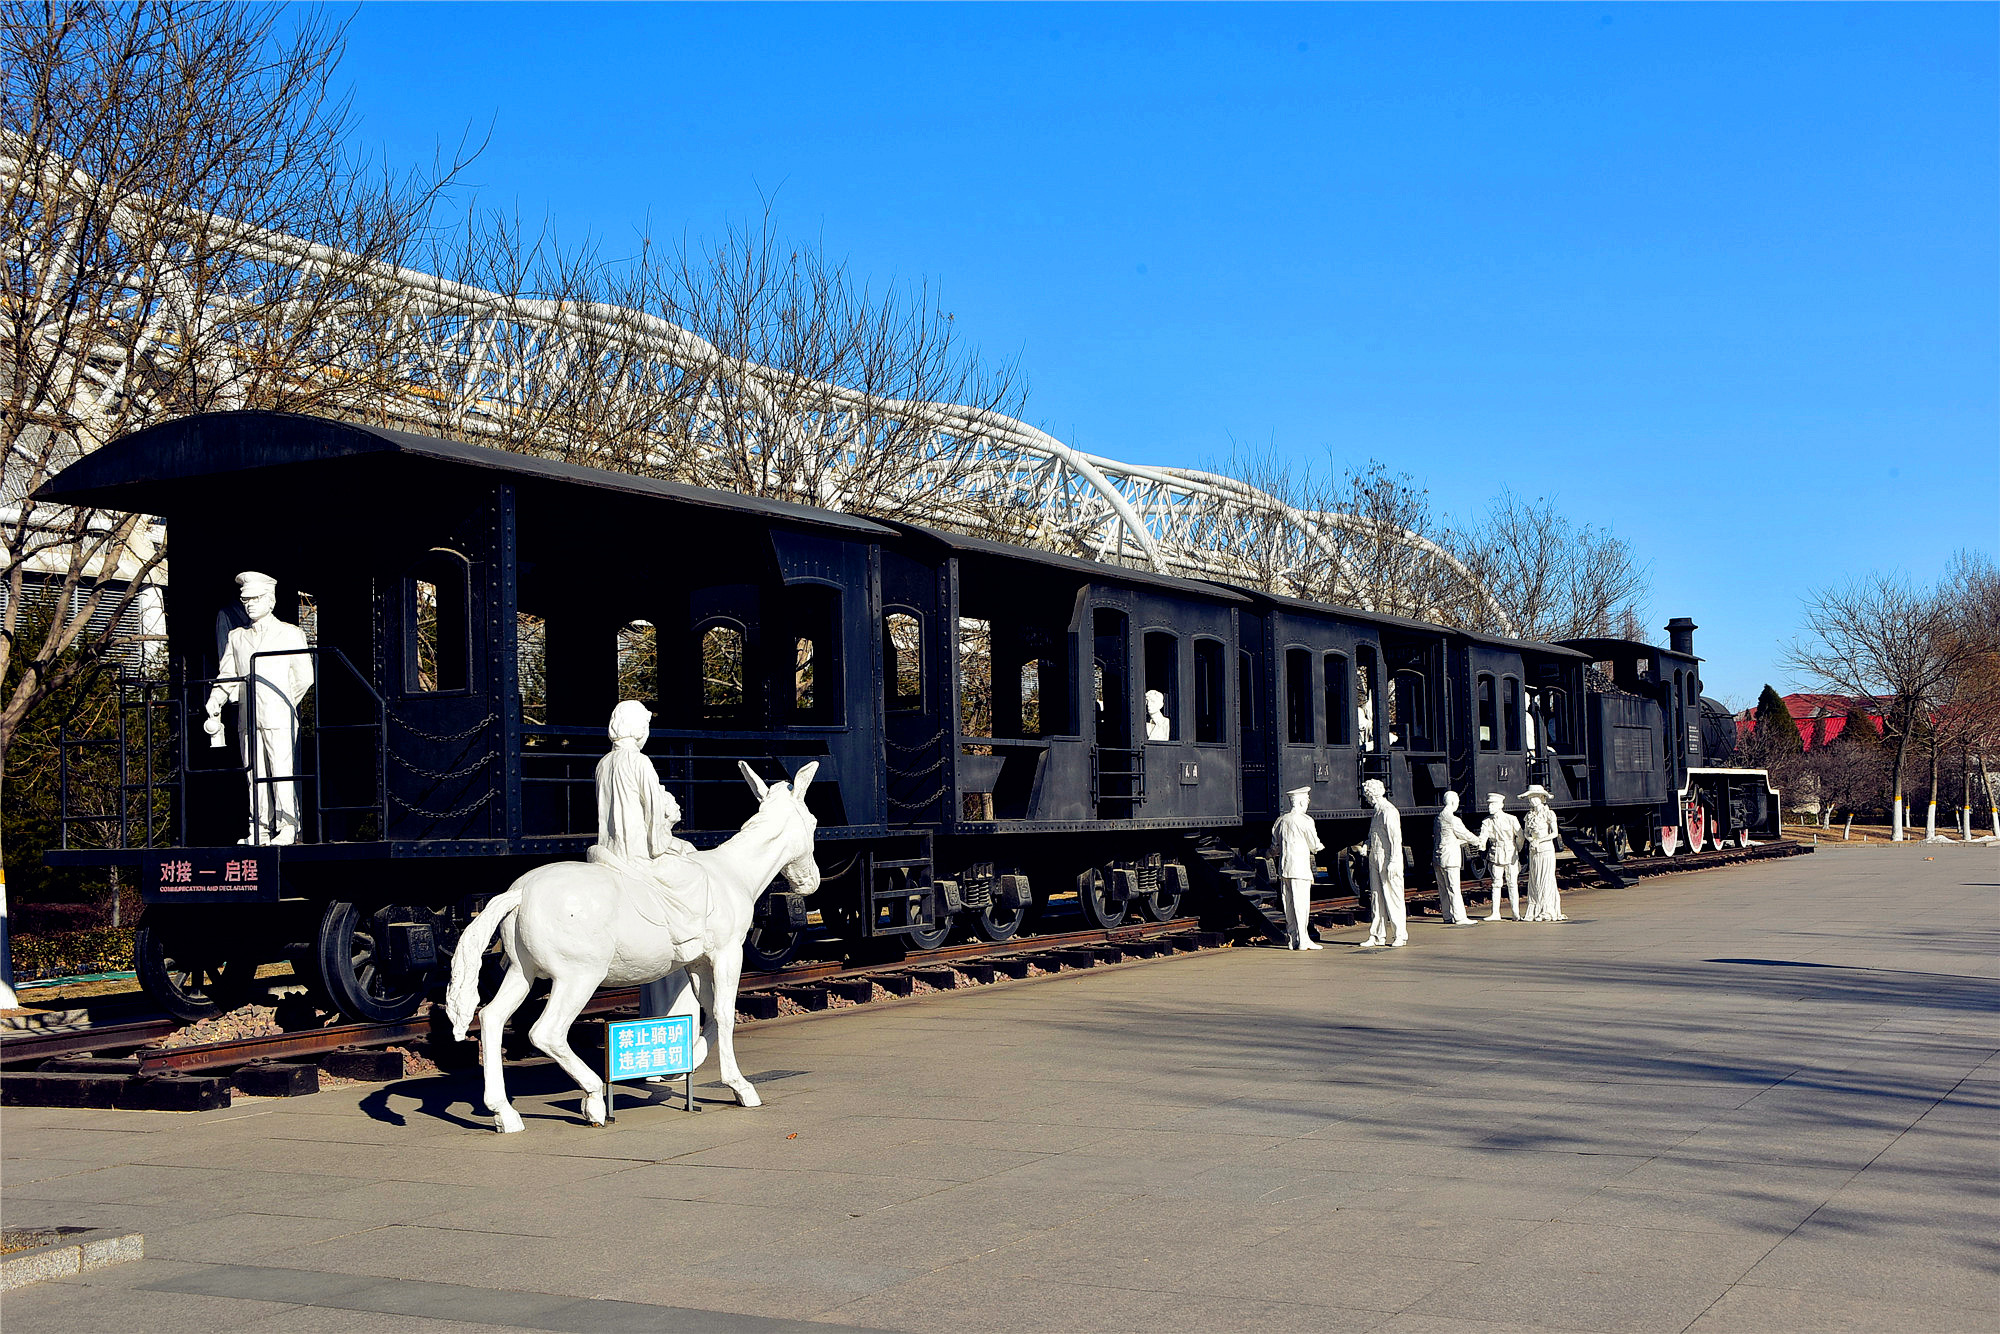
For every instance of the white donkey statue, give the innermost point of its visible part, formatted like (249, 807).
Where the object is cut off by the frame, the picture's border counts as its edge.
(576, 924)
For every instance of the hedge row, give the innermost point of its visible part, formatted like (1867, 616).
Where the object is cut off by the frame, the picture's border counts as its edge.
(104, 949)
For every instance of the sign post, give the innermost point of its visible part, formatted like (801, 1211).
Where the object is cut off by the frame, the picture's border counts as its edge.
(648, 1049)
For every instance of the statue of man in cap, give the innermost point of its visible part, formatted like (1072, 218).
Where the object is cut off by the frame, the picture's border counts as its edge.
(266, 672)
(1450, 839)
(1500, 835)
(1295, 838)
(1385, 870)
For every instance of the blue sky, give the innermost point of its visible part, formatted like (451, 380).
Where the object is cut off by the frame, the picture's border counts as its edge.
(1724, 278)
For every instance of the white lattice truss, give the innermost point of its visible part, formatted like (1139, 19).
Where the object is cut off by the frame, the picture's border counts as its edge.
(481, 353)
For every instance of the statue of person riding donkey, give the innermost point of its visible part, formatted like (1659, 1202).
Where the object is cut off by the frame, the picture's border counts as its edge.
(645, 907)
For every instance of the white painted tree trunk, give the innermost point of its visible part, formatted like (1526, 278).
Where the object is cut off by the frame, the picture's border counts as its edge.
(8, 1000)
(1848, 833)
(1896, 819)
(1930, 811)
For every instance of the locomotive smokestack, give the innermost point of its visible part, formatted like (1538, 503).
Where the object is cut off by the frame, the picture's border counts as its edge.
(1680, 635)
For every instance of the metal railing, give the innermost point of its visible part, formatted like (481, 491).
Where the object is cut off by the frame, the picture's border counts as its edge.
(163, 707)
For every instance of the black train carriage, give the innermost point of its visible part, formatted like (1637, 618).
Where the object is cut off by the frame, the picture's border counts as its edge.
(475, 614)
(979, 710)
(1335, 696)
(1017, 730)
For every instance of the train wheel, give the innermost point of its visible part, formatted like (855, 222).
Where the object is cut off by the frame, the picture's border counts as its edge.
(772, 941)
(932, 936)
(1093, 895)
(1163, 905)
(188, 971)
(998, 924)
(353, 971)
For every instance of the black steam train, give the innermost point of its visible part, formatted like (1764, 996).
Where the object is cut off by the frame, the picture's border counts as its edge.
(1004, 736)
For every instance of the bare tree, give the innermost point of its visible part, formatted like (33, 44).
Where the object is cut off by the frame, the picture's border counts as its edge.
(747, 364)
(153, 152)
(1965, 723)
(1878, 636)
(1556, 579)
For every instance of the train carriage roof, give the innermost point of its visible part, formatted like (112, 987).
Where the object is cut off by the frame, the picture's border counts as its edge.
(171, 468)
(1096, 571)
(1406, 623)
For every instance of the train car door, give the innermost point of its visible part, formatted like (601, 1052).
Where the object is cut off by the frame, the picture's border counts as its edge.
(436, 645)
(916, 691)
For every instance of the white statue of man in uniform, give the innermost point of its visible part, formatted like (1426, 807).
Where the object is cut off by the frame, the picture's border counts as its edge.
(1385, 870)
(264, 656)
(1500, 835)
(1450, 840)
(1295, 838)
(1544, 899)
(635, 824)
(1159, 727)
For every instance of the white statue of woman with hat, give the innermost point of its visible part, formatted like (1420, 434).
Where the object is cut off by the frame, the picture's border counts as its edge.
(1295, 838)
(266, 671)
(1539, 829)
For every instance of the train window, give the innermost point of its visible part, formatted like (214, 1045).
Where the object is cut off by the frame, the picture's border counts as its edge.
(1108, 650)
(975, 676)
(531, 658)
(1031, 697)
(1409, 714)
(1489, 721)
(1163, 676)
(1210, 690)
(1298, 696)
(1556, 712)
(1338, 730)
(721, 669)
(803, 692)
(437, 624)
(1510, 710)
(812, 619)
(903, 660)
(1364, 697)
(639, 663)
(1246, 694)
(1693, 690)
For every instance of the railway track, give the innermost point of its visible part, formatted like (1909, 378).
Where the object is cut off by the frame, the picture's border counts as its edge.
(757, 999)
(124, 1049)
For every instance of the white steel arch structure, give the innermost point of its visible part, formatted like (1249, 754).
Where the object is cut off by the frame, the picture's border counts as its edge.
(475, 357)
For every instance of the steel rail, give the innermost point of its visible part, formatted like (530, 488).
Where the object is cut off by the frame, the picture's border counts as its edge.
(26, 1049)
(130, 1037)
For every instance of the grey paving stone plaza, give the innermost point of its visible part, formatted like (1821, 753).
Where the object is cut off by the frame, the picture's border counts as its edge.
(1766, 1098)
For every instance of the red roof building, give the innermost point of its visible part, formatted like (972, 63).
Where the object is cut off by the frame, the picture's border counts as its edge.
(1821, 717)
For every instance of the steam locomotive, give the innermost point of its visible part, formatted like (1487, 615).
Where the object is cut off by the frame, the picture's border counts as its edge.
(1004, 736)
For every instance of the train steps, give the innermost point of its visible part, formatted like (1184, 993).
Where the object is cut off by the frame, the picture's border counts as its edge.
(1247, 885)
(1592, 854)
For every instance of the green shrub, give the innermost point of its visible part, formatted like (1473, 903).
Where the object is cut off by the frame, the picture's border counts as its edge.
(103, 949)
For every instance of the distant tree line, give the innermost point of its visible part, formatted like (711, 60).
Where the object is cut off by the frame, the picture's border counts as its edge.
(1927, 662)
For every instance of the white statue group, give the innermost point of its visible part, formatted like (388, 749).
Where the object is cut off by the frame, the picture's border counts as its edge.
(1503, 837)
